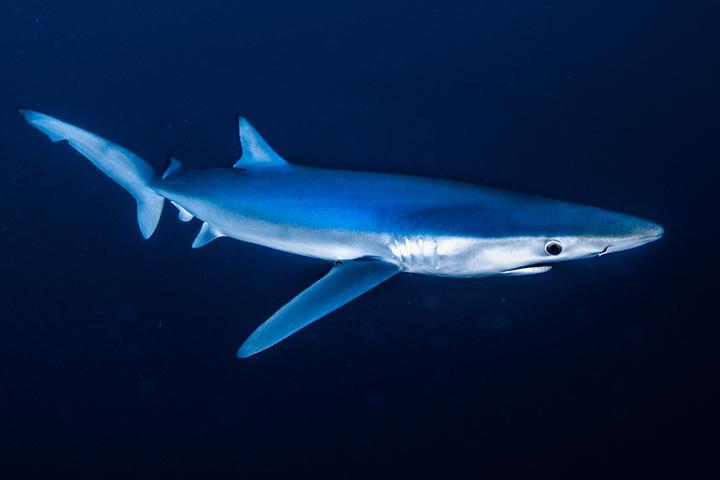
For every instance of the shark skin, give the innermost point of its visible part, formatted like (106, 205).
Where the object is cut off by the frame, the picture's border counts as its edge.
(372, 226)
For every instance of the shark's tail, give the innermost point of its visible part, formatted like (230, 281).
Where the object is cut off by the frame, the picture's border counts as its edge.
(118, 163)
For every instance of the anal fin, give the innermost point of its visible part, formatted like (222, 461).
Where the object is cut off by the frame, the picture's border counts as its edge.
(206, 235)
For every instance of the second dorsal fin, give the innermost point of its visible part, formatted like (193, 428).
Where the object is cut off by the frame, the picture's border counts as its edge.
(172, 166)
(255, 150)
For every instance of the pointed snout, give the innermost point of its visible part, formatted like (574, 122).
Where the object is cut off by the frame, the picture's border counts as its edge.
(645, 232)
(653, 231)
(639, 233)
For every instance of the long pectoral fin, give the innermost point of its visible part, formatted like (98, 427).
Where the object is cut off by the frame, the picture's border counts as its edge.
(345, 282)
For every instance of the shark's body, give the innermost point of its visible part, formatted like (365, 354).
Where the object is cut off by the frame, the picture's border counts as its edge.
(372, 225)
(423, 225)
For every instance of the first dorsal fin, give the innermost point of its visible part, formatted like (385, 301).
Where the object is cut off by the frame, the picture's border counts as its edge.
(255, 150)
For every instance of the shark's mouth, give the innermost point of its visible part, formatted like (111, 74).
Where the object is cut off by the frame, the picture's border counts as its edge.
(529, 270)
(604, 251)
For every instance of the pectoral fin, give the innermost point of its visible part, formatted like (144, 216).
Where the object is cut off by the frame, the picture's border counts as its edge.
(345, 282)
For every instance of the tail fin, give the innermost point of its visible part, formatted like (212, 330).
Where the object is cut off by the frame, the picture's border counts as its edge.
(118, 163)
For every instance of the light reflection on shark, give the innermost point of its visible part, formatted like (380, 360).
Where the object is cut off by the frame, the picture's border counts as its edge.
(372, 226)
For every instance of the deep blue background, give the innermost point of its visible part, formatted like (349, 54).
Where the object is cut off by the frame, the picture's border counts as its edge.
(117, 354)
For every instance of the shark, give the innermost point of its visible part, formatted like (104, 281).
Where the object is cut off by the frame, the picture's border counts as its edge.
(369, 226)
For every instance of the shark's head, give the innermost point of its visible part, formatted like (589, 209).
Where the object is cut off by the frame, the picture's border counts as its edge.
(600, 233)
(549, 232)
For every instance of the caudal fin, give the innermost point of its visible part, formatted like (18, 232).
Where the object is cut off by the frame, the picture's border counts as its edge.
(118, 163)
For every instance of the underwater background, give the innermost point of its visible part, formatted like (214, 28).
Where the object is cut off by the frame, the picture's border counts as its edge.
(117, 355)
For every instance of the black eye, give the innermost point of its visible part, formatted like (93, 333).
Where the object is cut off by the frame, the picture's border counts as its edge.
(553, 247)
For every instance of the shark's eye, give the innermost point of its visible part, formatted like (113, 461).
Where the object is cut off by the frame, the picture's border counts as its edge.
(553, 247)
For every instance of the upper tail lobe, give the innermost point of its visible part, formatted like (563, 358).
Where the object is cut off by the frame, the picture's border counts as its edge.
(120, 164)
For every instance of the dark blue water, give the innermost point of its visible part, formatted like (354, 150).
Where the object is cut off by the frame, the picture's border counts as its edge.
(117, 355)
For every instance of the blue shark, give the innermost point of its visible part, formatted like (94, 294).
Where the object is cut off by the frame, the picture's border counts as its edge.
(370, 226)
